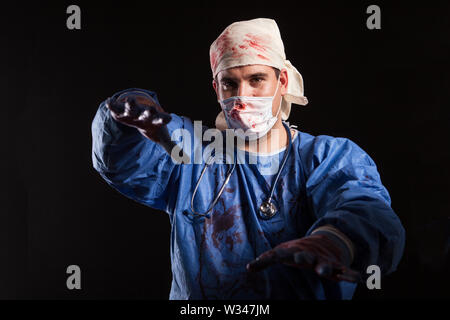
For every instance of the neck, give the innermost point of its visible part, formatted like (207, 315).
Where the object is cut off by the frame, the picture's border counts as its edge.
(273, 141)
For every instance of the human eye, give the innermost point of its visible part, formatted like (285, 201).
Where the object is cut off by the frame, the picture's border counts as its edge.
(256, 81)
(227, 84)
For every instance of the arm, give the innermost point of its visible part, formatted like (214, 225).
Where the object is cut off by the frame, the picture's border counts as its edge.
(345, 192)
(130, 159)
(354, 224)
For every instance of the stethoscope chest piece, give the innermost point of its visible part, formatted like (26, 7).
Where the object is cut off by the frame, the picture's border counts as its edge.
(268, 209)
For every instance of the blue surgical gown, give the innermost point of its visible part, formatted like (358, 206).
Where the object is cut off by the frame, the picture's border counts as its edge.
(326, 181)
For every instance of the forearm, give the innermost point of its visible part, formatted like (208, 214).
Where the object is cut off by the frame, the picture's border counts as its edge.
(374, 231)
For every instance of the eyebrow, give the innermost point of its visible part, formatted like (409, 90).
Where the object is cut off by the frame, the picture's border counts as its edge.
(253, 75)
(258, 74)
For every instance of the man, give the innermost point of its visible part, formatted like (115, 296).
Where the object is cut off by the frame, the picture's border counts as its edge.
(307, 229)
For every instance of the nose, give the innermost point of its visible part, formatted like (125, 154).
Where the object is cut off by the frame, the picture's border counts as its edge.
(244, 89)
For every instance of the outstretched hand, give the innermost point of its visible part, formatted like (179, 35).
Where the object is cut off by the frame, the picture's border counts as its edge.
(316, 252)
(141, 112)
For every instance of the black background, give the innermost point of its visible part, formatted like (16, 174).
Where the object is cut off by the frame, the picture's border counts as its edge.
(387, 90)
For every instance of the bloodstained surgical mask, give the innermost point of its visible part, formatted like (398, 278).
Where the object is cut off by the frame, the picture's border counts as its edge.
(252, 115)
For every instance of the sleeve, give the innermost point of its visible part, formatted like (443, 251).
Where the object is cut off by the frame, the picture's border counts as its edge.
(132, 164)
(344, 190)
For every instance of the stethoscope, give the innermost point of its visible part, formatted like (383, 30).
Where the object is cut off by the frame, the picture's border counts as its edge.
(267, 209)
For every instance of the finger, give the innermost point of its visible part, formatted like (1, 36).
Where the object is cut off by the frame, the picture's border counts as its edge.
(132, 109)
(344, 277)
(263, 261)
(337, 272)
(159, 118)
(349, 275)
(323, 269)
(165, 117)
(284, 254)
(114, 106)
(304, 258)
(144, 116)
(150, 114)
(114, 111)
(144, 113)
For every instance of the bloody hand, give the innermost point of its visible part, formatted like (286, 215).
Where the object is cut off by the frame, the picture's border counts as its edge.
(317, 252)
(141, 111)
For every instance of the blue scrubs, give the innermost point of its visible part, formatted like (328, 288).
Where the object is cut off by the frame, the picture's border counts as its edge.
(326, 180)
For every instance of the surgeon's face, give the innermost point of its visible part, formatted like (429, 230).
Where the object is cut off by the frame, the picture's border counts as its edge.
(252, 81)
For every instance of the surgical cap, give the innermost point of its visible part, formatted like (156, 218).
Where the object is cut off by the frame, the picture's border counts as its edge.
(256, 41)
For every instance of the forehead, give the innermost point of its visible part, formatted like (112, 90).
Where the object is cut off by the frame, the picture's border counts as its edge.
(245, 71)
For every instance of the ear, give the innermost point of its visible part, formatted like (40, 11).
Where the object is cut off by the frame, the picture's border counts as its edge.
(284, 81)
(214, 84)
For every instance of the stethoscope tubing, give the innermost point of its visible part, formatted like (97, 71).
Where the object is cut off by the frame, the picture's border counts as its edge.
(230, 172)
